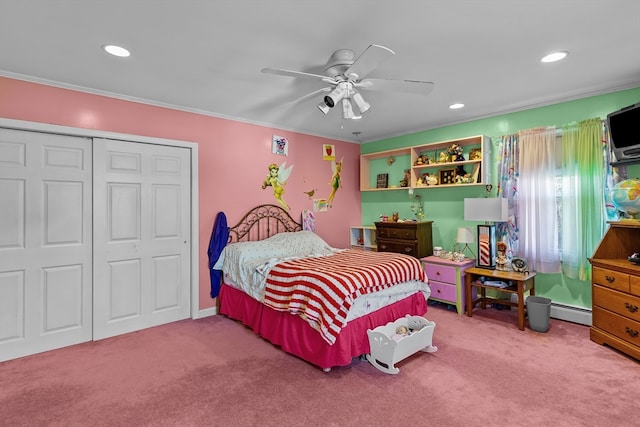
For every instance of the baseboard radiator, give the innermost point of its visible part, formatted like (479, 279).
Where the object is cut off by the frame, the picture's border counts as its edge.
(571, 313)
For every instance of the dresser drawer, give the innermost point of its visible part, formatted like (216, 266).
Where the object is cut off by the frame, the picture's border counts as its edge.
(618, 302)
(634, 285)
(398, 246)
(443, 291)
(441, 273)
(396, 233)
(623, 328)
(611, 279)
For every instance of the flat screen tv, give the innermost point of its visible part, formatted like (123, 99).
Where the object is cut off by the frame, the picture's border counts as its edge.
(624, 126)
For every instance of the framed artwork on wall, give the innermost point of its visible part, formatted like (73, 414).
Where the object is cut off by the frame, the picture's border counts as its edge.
(280, 145)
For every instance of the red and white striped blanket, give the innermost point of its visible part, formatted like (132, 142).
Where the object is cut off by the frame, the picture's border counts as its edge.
(321, 290)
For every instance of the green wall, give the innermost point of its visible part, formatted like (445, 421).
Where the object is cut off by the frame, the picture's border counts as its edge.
(444, 206)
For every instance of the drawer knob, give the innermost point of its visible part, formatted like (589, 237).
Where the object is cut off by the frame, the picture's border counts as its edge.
(610, 279)
(632, 332)
(632, 308)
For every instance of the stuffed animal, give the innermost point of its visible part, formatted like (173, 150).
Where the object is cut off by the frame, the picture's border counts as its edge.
(475, 154)
(413, 324)
(431, 180)
(455, 153)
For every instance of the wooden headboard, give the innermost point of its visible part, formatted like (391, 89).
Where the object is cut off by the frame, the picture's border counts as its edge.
(261, 222)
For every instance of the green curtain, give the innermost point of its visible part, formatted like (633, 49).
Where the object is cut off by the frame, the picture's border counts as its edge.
(582, 207)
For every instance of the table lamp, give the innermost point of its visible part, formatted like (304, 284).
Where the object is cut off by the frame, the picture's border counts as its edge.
(465, 236)
(489, 210)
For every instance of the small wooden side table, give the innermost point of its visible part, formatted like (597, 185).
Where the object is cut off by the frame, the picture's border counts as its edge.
(518, 283)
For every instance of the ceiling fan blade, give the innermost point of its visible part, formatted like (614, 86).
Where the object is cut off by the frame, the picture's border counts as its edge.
(290, 73)
(368, 61)
(406, 86)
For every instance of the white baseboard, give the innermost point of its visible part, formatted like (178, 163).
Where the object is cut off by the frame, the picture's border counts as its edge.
(571, 313)
(212, 311)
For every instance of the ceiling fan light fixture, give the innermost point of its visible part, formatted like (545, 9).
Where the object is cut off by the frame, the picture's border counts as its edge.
(339, 93)
(324, 108)
(347, 110)
(363, 105)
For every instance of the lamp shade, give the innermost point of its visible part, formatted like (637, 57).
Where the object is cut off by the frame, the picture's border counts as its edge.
(465, 235)
(486, 209)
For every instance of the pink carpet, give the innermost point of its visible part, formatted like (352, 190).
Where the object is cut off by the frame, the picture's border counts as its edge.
(215, 372)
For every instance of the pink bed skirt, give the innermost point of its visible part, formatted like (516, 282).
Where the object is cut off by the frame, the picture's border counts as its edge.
(296, 337)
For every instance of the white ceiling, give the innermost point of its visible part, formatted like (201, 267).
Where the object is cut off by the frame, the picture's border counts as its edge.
(206, 56)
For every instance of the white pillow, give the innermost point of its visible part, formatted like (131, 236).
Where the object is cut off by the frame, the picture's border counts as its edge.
(301, 243)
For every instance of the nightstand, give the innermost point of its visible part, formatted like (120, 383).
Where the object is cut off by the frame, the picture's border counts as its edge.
(446, 280)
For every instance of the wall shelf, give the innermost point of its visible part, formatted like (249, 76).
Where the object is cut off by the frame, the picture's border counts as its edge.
(407, 159)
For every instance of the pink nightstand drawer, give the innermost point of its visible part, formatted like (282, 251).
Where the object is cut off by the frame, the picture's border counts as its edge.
(441, 273)
(443, 291)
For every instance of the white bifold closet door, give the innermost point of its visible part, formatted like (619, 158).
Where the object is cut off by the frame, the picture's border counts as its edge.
(142, 211)
(45, 242)
(94, 239)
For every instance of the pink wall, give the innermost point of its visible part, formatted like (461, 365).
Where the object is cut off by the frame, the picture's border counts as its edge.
(233, 156)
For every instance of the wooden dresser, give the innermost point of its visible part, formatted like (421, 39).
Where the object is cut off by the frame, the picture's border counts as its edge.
(616, 289)
(411, 238)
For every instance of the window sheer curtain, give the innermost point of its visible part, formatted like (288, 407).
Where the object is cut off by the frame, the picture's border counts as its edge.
(508, 171)
(583, 198)
(537, 208)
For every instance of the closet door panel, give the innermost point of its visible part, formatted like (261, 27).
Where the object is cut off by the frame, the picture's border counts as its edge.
(45, 242)
(142, 254)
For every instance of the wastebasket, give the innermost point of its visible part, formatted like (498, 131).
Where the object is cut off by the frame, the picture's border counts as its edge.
(538, 311)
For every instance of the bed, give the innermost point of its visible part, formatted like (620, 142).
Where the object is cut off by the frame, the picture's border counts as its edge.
(323, 323)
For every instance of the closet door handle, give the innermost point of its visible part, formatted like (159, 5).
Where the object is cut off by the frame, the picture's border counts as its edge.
(630, 307)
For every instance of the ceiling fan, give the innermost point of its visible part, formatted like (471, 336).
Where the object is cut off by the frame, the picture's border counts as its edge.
(346, 74)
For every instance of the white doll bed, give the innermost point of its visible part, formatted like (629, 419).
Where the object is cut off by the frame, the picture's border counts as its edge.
(387, 351)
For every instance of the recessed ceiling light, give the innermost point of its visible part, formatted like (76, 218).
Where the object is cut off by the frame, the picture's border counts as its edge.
(555, 56)
(116, 50)
(456, 106)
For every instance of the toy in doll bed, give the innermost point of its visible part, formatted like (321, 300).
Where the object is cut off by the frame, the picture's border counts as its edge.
(290, 331)
(398, 340)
